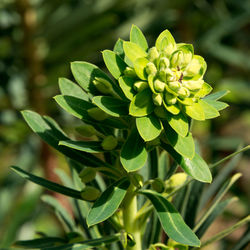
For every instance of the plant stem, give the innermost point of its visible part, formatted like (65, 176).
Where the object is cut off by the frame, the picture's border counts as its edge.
(129, 217)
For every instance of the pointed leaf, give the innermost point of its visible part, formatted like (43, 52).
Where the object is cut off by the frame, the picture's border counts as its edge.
(149, 127)
(114, 63)
(179, 123)
(142, 104)
(217, 95)
(140, 66)
(133, 153)
(40, 242)
(209, 111)
(118, 48)
(165, 40)
(195, 111)
(216, 104)
(196, 167)
(110, 105)
(171, 221)
(48, 184)
(136, 36)
(108, 202)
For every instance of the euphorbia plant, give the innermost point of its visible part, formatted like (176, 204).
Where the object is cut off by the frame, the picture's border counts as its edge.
(134, 122)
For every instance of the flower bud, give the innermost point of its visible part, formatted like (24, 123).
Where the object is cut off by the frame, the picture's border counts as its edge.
(157, 99)
(170, 99)
(183, 92)
(193, 85)
(87, 174)
(129, 72)
(102, 85)
(86, 130)
(97, 114)
(187, 57)
(159, 86)
(164, 63)
(137, 180)
(151, 69)
(153, 54)
(109, 143)
(158, 185)
(193, 68)
(90, 193)
(175, 86)
(140, 85)
(177, 59)
(175, 181)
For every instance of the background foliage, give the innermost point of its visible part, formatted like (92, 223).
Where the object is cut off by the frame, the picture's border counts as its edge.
(38, 40)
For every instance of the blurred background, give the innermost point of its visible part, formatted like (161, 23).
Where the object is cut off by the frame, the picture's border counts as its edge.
(39, 39)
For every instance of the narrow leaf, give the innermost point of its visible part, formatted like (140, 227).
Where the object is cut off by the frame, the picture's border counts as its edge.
(39, 243)
(133, 153)
(171, 220)
(48, 184)
(216, 104)
(217, 95)
(108, 202)
(136, 36)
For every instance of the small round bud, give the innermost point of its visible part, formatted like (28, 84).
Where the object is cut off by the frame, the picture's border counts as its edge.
(183, 92)
(175, 86)
(159, 86)
(102, 85)
(140, 85)
(158, 185)
(176, 180)
(164, 63)
(157, 99)
(129, 72)
(137, 180)
(90, 193)
(87, 174)
(109, 143)
(153, 54)
(170, 99)
(151, 69)
(97, 114)
(86, 130)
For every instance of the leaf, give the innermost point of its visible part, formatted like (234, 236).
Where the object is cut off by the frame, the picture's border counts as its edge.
(195, 111)
(114, 63)
(149, 127)
(209, 111)
(205, 90)
(51, 134)
(139, 66)
(133, 51)
(179, 123)
(142, 104)
(137, 37)
(126, 84)
(39, 243)
(61, 212)
(112, 106)
(171, 220)
(173, 109)
(118, 48)
(133, 153)
(68, 87)
(85, 146)
(48, 184)
(109, 201)
(217, 95)
(196, 167)
(216, 104)
(164, 40)
(183, 145)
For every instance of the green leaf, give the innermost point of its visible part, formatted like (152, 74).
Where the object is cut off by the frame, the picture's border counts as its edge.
(136, 36)
(48, 184)
(133, 51)
(197, 168)
(165, 40)
(108, 202)
(183, 145)
(112, 106)
(142, 104)
(139, 66)
(216, 104)
(195, 111)
(126, 83)
(209, 111)
(149, 127)
(68, 87)
(133, 153)
(173, 109)
(217, 95)
(61, 212)
(51, 134)
(205, 90)
(85, 146)
(179, 123)
(171, 221)
(118, 48)
(39, 243)
(114, 63)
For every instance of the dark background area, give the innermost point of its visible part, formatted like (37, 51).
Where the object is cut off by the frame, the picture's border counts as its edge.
(39, 39)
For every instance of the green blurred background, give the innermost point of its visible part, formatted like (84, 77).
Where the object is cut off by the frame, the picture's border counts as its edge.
(39, 39)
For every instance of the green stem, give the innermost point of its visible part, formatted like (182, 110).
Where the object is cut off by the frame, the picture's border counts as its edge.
(129, 218)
